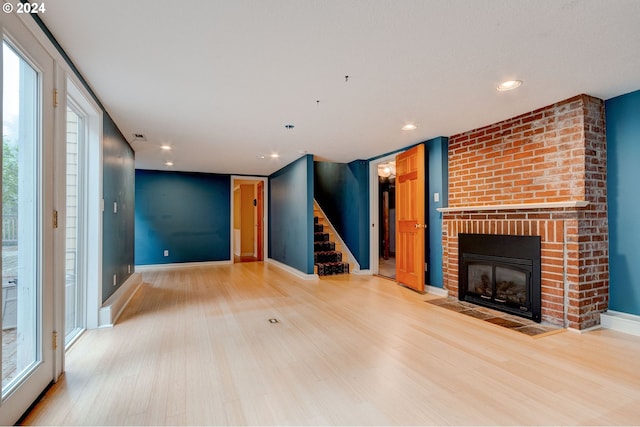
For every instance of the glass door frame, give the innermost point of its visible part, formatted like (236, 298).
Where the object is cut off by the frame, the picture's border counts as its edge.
(19, 398)
(80, 226)
(90, 196)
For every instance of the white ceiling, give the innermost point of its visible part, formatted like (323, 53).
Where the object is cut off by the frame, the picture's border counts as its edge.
(219, 80)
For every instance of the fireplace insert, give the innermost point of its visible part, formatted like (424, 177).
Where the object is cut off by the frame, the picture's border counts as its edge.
(501, 272)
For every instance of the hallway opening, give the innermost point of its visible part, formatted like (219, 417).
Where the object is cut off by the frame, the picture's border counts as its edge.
(248, 221)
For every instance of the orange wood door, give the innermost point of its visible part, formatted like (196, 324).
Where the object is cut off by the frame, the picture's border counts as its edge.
(260, 221)
(410, 222)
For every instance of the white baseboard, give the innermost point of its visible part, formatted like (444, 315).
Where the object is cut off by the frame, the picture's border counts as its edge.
(622, 322)
(584, 331)
(436, 291)
(292, 270)
(362, 272)
(177, 265)
(113, 306)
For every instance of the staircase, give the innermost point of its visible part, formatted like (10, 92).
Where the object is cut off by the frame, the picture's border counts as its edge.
(327, 260)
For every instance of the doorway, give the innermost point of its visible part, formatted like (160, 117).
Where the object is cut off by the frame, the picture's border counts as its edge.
(387, 216)
(27, 237)
(415, 255)
(377, 185)
(248, 226)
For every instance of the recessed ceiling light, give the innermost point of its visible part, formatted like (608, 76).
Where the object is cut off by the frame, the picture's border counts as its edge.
(409, 126)
(509, 85)
(274, 155)
(166, 147)
(260, 156)
(169, 163)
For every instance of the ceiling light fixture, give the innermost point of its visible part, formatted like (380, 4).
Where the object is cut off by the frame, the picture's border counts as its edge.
(169, 163)
(386, 170)
(274, 155)
(289, 126)
(509, 85)
(260, 156)
(409, 126)
(165, 147)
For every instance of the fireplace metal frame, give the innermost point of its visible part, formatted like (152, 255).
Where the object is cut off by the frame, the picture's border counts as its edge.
(520, 253)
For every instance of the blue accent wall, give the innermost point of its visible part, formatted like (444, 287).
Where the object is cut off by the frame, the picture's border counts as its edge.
(623, 176)
(342, 191)
(117, 227)
(186, 213)
(291, 215)
(437, 182)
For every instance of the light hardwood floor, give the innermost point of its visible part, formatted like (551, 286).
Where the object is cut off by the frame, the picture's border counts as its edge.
(196, 347)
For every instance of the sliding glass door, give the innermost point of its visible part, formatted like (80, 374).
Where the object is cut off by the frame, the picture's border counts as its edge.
(27, 331)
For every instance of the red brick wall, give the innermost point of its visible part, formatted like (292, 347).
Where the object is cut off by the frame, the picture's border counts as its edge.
(553, 154)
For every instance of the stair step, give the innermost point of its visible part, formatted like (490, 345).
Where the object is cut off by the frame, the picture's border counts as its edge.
(323, 246)
(320, 237)
(327, 256)
(331, 268)
(318, 228)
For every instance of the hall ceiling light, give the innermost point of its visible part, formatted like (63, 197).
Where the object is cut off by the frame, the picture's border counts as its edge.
(509, 85)
(409, 126)
(386, 170)
(165, 147)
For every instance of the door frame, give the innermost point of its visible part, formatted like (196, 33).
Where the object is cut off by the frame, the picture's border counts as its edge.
(265, 220)
(18, 401)
(374, 207)
(68, 86)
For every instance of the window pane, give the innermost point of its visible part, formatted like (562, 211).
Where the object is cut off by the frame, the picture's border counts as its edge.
(20, 255)
(73, 294)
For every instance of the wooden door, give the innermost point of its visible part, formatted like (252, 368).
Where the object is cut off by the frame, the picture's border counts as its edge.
(410, 219)
(260, 221)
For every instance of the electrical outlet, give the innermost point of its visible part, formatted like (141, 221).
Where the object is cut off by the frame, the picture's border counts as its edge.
(436, 197)
(114, 280)
(115, 207)
(166, 252)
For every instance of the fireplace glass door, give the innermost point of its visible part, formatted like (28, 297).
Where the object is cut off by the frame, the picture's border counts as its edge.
(511, 286)
(480, 280)
(498, 282)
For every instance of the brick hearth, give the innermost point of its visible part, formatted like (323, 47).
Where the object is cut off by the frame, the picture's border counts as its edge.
(540, 174)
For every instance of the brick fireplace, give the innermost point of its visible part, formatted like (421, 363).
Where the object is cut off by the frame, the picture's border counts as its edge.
(539, 174)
